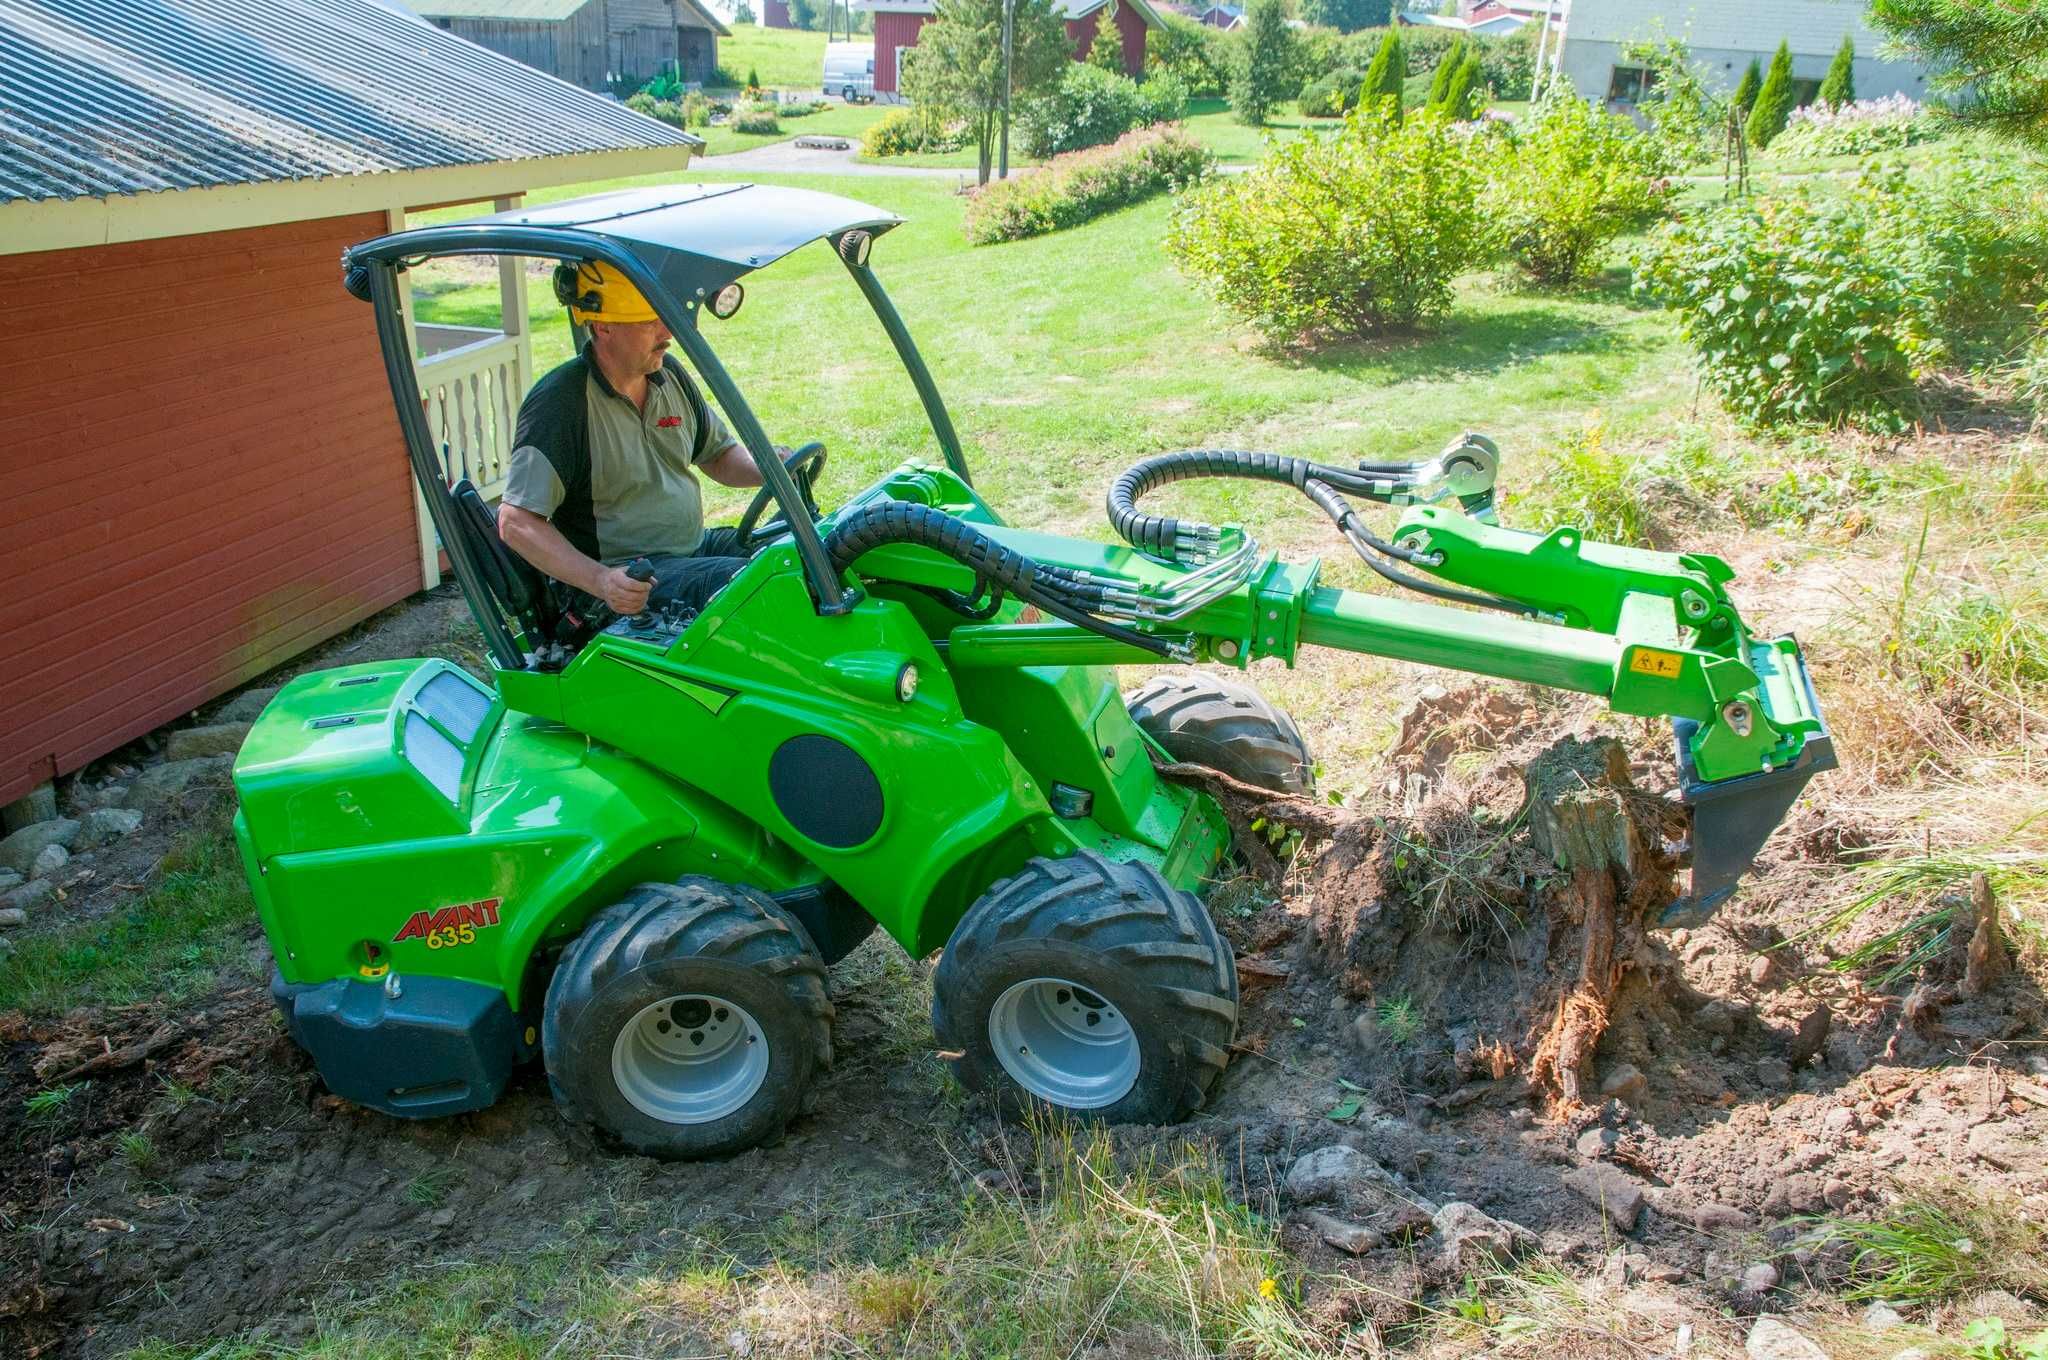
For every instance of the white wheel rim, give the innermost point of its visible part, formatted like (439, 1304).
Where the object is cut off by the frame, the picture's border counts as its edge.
(1063, 1043)
(690, 1059)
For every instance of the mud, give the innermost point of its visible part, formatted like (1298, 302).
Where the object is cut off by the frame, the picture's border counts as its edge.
(1426, 986)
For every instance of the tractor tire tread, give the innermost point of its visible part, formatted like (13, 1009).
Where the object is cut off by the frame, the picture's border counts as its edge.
(1223, 723)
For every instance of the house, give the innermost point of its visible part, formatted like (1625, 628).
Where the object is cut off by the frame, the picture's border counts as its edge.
(604, 45)
(897, 23)
(1724, 36)
(775, 14)
(1491, 19)
(1219, 16)
(203, 470)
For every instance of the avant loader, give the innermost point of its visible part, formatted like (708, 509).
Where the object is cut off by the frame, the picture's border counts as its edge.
(635, 848)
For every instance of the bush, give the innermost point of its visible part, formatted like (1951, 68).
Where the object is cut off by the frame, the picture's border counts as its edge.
(755, 118)
(904, 132)
(1163, 98)
(1343, 235)
(1577, 178)
(1859, 129)
(642, 102)
(696, 110)
(1263, 73)
(1774, 100)
(1195, 54)
(1073, 188)
(1335, 95)
(1796, 318)
(1089, 106)
(672, 114)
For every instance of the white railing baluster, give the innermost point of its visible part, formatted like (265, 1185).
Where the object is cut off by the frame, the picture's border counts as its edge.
(472, 395)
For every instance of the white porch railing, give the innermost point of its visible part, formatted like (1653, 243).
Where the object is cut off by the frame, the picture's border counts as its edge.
(472, 394)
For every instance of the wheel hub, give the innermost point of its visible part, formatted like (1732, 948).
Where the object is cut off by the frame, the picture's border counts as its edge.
(690, 1059)
(1063, 1043)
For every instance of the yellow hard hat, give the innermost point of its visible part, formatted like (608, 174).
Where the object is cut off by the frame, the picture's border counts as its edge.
(595, 292)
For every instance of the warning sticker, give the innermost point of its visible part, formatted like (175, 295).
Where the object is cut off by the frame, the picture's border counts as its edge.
(1663, 665)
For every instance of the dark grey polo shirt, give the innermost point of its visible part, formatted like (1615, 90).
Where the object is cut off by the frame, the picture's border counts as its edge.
(615, 479)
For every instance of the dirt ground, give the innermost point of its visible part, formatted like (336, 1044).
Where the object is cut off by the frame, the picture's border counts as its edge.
(1401, 985)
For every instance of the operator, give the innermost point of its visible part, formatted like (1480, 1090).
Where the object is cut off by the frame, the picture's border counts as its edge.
(601, 464)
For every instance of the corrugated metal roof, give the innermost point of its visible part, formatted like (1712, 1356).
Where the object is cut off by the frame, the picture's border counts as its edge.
(103, 97)
(543, 11)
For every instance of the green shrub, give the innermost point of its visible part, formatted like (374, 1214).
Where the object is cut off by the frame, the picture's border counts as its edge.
(642, 102)
(1335, 95)
(1195, 54)
(1163, 98)
(1073, 188)
(1387, 74)
(1838, 87)
(1774, 100)
(1972, 230)
(672, 114)
(1263, 74)
(1089, 106)
(1577, 178)
(755, 118)
(1752, 80)
(1857, 129)
(1795, 318)
(907, 131)
(1343, 235)
(696, 110)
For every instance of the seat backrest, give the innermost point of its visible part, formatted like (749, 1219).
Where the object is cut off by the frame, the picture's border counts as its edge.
(518, 586)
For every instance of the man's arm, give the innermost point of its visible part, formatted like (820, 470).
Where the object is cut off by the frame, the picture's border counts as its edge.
(534, 538)
(734, 465)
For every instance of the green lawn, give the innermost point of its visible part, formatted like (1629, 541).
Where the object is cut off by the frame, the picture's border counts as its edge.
(1210, 120)
(840, 120)
(784, 58)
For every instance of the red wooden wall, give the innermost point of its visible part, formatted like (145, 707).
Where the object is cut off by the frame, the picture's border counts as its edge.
(201, 475)
(1129, 27)
(775, 14)
(893, 29)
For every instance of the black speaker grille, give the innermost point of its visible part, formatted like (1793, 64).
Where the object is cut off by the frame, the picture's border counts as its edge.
(826, 790)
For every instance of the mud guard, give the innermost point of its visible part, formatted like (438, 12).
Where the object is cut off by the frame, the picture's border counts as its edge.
(1732, 818)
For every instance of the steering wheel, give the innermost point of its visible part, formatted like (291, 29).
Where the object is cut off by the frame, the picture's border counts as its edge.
(803, 466)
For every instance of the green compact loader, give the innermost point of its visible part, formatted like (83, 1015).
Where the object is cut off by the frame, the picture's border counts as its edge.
(635, 848)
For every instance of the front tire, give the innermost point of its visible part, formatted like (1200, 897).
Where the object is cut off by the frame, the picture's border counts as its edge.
(1224, 724)
(688, 1020)
(1095, 987)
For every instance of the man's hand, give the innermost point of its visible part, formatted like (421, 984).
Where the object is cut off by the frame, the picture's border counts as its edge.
(624, 594)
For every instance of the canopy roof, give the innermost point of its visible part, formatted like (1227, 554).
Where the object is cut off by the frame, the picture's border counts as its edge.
(693, 237)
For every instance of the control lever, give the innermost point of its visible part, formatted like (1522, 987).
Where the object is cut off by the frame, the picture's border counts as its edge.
(640, 569)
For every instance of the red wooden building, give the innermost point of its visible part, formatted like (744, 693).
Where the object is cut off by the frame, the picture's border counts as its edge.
(897, 23)
(775, 14)
(203, 473)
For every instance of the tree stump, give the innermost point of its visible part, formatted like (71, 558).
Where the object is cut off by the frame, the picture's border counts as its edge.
(1986, 960)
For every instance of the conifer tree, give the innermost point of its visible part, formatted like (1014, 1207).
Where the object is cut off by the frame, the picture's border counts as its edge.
(1446, 67)
(1387, 75)
(1838, 87)
(1264, 70)
(1752, 80)
(1107, 50)
(1773, 105)
(1462, 94)
(1992, 57)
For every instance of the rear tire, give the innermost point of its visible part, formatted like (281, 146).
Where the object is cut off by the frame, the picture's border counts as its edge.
(688, 1020)
(1069, 939)
(1225, 725)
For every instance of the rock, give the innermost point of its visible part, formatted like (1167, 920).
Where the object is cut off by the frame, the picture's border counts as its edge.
(1842, 1120)
(1914, 1353)
(9, 881)
(1836, 1194)
(247, 706)
(30, 895)
(1882, 1317)
(1771, 1339)
(1624, 1267)
(441, 1218)
(156, 786)
(1597, 1142)
(1609, 1189)
(1720, 1217)
(1351, 1238)
(1763, 971)
(1470, 1239)
(1797, 1194)
(1327, 1173)
(1716, 1017)
(1760, 1278)
(13, 916)
(215, 739)
(48, 861)
(105, 825)
(18, 852)
(1626, 1084)
(1659, 1273)
(39, 804)
(740, 1344)
(1773, 1072)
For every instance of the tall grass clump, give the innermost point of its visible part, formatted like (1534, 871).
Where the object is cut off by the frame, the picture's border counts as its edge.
(1945, 1243)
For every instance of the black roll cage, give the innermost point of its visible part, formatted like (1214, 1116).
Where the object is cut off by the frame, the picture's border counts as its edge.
(386, 257)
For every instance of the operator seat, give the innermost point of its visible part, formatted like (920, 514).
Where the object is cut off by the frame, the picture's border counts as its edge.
(518, 587)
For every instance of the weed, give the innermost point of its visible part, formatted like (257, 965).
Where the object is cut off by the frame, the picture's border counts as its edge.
(1591, 488)
(177, 1094)
(1933, 884)
(138, 1150)
(1944, 1244)
(1395, 1018)
(428, 1188)
(47, 1105)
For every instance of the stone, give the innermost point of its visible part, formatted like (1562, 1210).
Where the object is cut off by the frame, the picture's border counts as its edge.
(1597, 1142)
(30, 895)
(1353, 1239)
(39, 804)
(1842, 1120)
(215, 739)
(1760, 1278)
(1770, 1339)
(1799, 1194)
(48, 861)
(1624, 1267)
(1716, 1017)
(1882, 1317)
(1773, 1072)
(740, 1344)
(1914, 1353)
(247, 706)
(105, 825)
(13, 916)
(1720, 1217)
(18, 852)
(1763, 971)
(441, 1218)
(1658, 1273)
(1609, 1189)
(110, 795)
(1471, 1239)
(1836, 1194)
(1625, 1083)
(158, 785)
(1327, 1173)
(9, 881)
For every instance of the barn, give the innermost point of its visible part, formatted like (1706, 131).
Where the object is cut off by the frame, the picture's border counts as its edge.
(897, 23)
(610, 46)
(203, 470)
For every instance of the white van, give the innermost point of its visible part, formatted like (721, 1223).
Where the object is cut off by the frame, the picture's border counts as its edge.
(850, 71)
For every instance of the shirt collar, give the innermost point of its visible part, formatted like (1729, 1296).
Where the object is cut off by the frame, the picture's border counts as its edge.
(589, 356)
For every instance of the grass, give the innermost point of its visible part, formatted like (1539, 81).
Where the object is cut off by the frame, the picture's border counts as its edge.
(784, 58)
(1944, 1244)
(1209, 120)
(840, 120)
